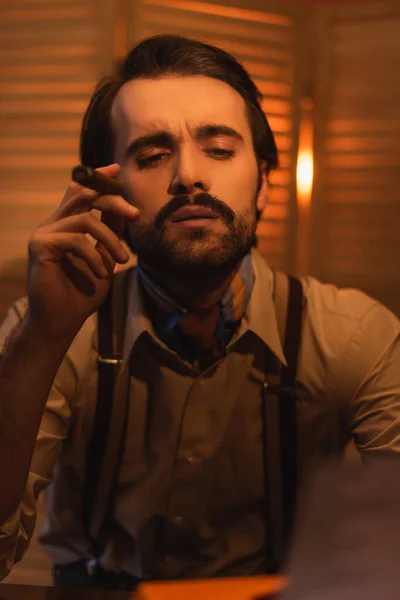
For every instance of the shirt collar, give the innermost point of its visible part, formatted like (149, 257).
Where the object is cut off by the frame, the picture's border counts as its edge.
(137, 321)
(259, 315)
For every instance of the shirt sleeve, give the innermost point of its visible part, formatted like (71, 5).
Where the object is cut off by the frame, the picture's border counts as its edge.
(372, 366)
(16, 532)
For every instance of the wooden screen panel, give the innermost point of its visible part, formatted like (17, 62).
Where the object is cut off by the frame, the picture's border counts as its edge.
(356, 221)
(265, 39)
(51, 55)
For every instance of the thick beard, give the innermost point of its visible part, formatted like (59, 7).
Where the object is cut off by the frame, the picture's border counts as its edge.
(196, 254)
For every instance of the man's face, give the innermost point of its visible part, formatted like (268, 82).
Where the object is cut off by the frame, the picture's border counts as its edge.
(188, 164)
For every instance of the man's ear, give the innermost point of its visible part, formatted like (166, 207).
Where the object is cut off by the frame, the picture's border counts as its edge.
(263, 189)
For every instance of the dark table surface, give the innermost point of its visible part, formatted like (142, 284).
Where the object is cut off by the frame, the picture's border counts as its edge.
(36, 592)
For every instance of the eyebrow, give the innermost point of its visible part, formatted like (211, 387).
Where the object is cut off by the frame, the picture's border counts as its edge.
(167, 140)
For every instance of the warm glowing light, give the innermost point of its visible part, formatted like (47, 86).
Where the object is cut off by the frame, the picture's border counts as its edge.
(305, 172)
(304, 181)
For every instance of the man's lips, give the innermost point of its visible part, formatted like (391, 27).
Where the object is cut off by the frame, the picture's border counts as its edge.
(193, 212)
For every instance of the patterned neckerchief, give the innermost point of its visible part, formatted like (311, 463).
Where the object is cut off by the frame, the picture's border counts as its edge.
(231, 310)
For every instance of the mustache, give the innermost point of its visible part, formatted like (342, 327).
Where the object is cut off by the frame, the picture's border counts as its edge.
(202, 199)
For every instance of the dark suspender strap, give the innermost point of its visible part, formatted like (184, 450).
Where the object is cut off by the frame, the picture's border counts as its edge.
(288, 417)
(274, 542)
(108, 432)
(101, 421)
(279, 421)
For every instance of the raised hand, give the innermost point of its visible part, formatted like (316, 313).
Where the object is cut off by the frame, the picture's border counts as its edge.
(68, 276)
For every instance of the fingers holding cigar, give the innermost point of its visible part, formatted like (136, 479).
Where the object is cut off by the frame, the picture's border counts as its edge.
(73, 253)
(111, 194)
(110, 172)
(86, 200)
(97, 180)
(96, 189)
(67, 229)
(110, 201)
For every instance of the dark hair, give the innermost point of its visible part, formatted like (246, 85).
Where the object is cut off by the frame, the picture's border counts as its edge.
(162, 55)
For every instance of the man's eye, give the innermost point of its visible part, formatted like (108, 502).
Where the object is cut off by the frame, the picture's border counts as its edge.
(150, 161)
(220, 153)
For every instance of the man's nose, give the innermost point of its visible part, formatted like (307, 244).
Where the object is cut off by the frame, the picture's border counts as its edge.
(189, 176)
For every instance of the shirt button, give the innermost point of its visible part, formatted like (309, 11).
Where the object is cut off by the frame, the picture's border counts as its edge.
(190, 457)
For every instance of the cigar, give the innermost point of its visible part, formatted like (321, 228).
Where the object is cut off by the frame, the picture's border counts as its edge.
(96, 181)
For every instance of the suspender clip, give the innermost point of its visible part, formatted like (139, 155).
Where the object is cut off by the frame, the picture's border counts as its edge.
(112, 359)
(279, 390)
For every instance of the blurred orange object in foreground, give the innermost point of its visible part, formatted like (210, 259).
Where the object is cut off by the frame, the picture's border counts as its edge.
(234, 588)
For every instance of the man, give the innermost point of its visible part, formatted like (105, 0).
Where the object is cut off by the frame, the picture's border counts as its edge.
(181, 127)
